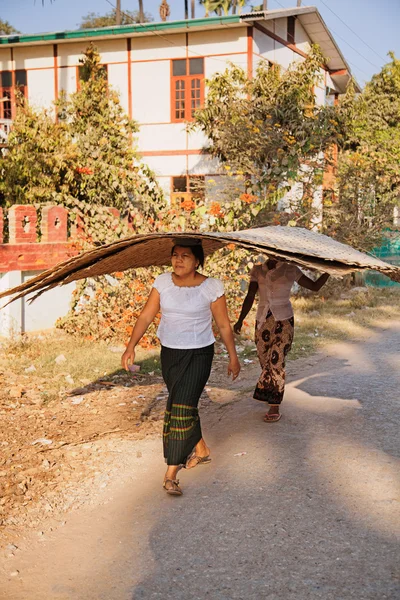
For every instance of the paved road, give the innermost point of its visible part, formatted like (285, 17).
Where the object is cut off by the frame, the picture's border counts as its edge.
(311, 510)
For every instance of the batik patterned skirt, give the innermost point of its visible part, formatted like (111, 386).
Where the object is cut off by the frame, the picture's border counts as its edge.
(185, 373)
(274, 341)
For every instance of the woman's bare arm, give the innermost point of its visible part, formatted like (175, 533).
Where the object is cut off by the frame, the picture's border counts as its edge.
(220, 313)
(246, 306)
(147, 315)
(314, 286)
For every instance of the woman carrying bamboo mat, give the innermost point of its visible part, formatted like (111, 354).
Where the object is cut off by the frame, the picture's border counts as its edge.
(273, 280)
(188, 302)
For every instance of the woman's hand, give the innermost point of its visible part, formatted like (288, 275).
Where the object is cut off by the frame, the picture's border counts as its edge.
(237, 326)
(128, 358)
(234, 367)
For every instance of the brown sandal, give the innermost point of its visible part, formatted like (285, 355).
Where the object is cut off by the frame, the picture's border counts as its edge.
(174, 489)
(272, 418)
(199, 460)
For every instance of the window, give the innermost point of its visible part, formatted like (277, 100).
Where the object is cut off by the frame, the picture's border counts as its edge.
(187, 191)
(291, 21)
(187, 88)
(13, 84)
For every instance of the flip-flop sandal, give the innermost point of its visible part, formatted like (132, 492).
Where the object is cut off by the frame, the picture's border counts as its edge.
(272, 418)
(174, 490)
(199, 460)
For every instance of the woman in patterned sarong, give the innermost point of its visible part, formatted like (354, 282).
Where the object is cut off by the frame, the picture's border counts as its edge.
(188, 302)
(273, 280)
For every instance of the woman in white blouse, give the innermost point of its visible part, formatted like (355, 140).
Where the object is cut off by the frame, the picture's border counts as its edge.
(188, 302)
(273, 280)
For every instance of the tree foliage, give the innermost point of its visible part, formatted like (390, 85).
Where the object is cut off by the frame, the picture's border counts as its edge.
(368, 176)
(6, 28)
(270, 127)
(223, 7)
(83, 159)
(93, 20)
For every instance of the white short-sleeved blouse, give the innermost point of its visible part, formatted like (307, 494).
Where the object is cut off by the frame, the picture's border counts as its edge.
(274, 287)
(186, 312)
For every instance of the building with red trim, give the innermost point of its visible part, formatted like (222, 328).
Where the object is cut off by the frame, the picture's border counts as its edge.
(159, 70)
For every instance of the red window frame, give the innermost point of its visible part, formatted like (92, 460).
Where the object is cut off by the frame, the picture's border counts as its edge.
(8, 107)
(187, 92)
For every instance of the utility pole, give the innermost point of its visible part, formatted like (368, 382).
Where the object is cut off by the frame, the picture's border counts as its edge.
(265, 5)
(118, 13)
(298, 2)
(186, 10)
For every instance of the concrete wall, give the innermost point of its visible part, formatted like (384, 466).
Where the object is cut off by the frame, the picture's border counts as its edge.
(21, 316)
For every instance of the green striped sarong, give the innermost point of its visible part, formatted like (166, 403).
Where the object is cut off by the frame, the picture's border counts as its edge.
(185, 373)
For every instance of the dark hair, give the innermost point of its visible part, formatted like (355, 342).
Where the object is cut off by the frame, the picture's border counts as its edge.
(197, 251)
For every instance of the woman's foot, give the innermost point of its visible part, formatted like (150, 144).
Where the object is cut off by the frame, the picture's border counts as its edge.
(195, 460)
(171, 486)
(273, 415)
(200, 455)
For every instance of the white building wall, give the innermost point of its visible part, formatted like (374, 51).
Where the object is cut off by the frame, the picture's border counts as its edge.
(302, 40)
(157, 47)
(170, 136)
(151, 91)
(167, 166)
(219, 64)
(41, 87)
(199, 164)
(225, 41)
(280, 27)
(45, 310)
(320, 95)
(118, 79)
(34, 57)
(283, 55)
(196, 140)
(263, 44)
(67, 80)
(6, 64)
(111, 51)
(11, 315)
(20, 316)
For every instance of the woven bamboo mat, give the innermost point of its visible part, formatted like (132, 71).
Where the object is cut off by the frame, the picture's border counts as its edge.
(294, 244)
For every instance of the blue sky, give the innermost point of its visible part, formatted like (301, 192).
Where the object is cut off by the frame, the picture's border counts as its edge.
(365, 30)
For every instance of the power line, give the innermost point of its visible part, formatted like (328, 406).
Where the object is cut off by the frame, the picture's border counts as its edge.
(352, 31)
(339, 36)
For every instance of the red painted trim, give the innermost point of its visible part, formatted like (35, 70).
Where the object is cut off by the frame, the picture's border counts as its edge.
(170, 153)
(339, 72)
(129, 51)
(55, 66)
(34, 257)
(250, 52)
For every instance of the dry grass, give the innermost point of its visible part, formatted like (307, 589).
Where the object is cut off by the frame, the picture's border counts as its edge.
(351, 317)
(85, 362)
(318, 321)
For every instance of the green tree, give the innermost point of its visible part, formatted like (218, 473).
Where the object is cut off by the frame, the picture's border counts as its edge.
(222, 7)
(93, 20)
(367, 186)
(6, 28)
(84, 159)
(270, 127)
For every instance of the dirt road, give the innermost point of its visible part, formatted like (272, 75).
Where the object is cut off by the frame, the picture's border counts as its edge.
(304, 508)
